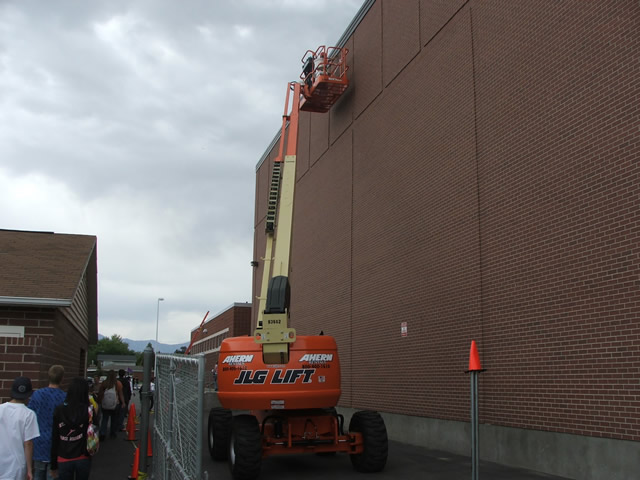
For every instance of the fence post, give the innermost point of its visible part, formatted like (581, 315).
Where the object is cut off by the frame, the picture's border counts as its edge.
(474, 370)
(200, 416)
(170, 417)
(145, 395)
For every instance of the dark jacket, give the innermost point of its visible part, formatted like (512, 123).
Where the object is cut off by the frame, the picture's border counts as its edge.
(126, 388)
(69, 434)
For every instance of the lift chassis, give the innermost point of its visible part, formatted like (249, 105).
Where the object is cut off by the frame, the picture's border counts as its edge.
(278, 390)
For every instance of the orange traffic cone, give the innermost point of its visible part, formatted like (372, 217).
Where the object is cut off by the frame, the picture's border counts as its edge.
(136, 465)
(149, 450)
(474, 358)
(132, 410)
(131, 428)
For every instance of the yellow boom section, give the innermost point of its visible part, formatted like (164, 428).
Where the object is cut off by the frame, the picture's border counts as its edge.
(272, 329)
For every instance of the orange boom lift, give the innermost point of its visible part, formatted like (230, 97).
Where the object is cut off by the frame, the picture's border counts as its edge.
(290, 384)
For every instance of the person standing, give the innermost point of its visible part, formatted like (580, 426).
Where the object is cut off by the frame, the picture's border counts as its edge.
(69, 458)
(152, 390)
(18, 428)
(93, 401)
(43, 402)
(126, 393)
(215, 377)
(110, 398)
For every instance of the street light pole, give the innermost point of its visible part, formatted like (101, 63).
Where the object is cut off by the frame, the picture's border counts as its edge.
(158, 319)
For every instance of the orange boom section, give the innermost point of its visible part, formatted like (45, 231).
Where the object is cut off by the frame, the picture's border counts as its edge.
(311, 379)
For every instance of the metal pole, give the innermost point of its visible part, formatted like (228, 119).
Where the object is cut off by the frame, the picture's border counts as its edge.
(170, 419)
(158, 318)
(200, 416)
(475, 464)
(145, 394)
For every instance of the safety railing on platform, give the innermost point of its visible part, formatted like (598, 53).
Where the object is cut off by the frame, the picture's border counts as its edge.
(179, 396)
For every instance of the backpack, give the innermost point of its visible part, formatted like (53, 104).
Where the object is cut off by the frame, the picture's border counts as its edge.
(109, 400)
(93, 439)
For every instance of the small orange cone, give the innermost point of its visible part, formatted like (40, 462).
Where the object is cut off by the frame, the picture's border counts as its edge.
(131, 428)
(474, 358)
(149, 450)
(136, 465)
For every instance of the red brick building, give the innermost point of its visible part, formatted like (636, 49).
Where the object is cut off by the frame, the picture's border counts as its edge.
(480, 180)
(48, 305)
(234, 321)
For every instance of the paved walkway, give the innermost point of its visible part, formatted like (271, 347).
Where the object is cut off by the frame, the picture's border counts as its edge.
(114, 460)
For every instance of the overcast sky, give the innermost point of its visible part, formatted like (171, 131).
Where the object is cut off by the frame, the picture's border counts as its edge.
(141, 122)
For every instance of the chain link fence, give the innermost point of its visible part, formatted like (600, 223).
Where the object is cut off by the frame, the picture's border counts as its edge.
(179, 396)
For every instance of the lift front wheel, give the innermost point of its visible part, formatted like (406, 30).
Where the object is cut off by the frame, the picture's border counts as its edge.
(245, 448)
(374, 435)
(219, 432)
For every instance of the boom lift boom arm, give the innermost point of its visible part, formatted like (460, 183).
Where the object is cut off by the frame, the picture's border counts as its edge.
(272, 330)
(289, 383)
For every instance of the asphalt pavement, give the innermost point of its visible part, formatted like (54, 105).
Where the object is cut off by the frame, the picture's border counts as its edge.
(405, 462)
(115, 459)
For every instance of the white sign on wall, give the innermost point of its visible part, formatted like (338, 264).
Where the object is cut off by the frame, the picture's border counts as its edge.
(403, 329)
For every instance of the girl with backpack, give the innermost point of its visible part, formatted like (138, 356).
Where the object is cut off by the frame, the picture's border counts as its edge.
(69, 455)
(111, 399)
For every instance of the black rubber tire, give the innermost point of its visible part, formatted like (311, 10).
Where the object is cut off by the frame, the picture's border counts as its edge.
(245, 448)
(219, 433)
(376, 445)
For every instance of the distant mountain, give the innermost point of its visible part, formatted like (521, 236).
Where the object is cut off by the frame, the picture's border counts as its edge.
(140, 345)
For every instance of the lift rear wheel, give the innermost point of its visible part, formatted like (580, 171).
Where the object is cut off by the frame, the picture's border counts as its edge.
(374, 435)
(245, 448)
(219, 432)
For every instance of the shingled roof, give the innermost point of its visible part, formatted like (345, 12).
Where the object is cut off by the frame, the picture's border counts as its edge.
(46, 269)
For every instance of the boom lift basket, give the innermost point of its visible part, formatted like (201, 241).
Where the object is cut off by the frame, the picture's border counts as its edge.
(324, 78)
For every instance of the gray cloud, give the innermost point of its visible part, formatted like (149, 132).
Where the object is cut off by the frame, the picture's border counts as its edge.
(142, 123)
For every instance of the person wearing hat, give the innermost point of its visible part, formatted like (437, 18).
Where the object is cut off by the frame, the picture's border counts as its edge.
(19, 426)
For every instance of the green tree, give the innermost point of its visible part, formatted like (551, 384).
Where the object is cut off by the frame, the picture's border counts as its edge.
(109, 346)
(140, 355)
(181, 350)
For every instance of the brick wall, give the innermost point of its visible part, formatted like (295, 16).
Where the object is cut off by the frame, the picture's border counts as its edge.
(67, 347)
(323, 290)
(49, 339)
(242, 321)
(558, 148)
(237, 319)
(479, 180)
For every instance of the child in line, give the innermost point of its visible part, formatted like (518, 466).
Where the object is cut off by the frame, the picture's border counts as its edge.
(19, 426)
